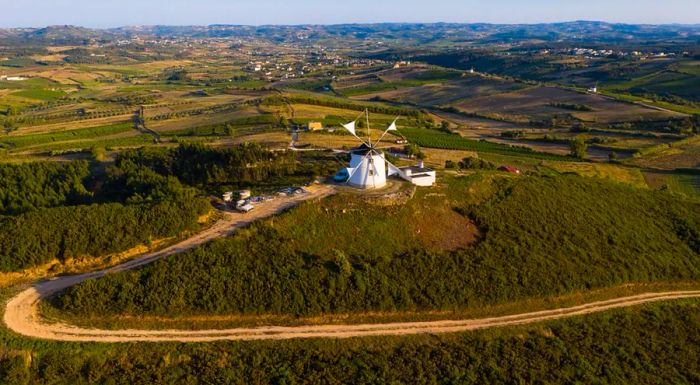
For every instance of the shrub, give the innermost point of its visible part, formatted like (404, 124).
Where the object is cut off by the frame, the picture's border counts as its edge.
(476, 164)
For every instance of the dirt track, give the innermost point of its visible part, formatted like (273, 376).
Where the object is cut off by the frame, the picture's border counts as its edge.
(22, 315)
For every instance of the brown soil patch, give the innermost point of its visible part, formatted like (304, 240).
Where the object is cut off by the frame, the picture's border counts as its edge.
(452, 232)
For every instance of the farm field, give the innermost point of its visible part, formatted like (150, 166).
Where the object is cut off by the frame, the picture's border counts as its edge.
(447, 93)
(538, 103)
(678, 182)
(678, 81)
(682, 154)
(437, 139)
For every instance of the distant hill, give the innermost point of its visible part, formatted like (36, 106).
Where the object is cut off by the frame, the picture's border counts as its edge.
(417, 32)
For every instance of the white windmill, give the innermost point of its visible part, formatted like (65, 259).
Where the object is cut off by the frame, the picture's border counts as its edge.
(368, 166)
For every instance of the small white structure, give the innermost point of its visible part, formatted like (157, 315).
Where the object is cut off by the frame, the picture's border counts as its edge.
(593, 90)
(245, 208)
(13, 78)
(228, 196)
(419, 175)
(367, 168)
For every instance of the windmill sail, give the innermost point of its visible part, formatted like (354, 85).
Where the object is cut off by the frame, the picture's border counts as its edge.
(350, 127)
(393, 170)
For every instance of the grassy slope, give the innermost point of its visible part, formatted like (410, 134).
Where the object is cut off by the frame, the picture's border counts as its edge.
(543, 236)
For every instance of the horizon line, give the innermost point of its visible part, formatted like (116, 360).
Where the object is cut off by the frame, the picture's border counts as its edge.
(358, 24)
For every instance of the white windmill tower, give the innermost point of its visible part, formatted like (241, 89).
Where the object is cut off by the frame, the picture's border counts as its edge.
(368, 166)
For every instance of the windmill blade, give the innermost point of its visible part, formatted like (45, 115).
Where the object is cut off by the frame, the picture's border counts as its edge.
(392, 127)
(393, 169)
(350, 127)
(353, 130)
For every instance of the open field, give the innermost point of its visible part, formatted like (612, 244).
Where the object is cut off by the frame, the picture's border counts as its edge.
(445, 93)
(678, 182)
(681, 154)
(17, 142)
(612, 172)
(537, 103)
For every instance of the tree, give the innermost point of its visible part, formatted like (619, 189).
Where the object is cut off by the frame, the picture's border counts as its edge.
(9, 126)
(445, 126)
(476, 164)
(612, 156)
(98, 153)
(342, 263)
(178, 74)
(413, 150)
(229, 130)
(578, 147)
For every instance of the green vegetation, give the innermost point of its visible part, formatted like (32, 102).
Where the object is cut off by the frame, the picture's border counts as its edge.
(198, 165)
(28, 186)
(21, 141)
(225, 128)
(138, 199)
(39, 236)
(439, 139)
(651, 344)
(476, 164)
(578, 147)
(572, 107)
(156, 207)
(542, 236)
(39, 94)
(343, 104)
(478, 238)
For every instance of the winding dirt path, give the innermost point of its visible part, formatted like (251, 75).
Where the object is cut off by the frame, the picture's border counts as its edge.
(22, 313)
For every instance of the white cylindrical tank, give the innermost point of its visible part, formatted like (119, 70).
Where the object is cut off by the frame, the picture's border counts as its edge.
(371, 170)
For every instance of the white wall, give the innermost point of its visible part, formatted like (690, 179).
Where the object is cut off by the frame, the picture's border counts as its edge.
(362, 178)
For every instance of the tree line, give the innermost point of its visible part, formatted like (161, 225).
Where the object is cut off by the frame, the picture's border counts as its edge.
(52, 211)
(198, 165)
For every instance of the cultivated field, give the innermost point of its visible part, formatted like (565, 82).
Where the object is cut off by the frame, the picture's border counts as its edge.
(539, 103)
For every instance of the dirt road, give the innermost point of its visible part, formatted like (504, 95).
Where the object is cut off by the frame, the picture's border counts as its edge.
(22, 315)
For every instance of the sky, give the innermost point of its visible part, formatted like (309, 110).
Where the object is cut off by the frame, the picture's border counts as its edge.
(115, 13)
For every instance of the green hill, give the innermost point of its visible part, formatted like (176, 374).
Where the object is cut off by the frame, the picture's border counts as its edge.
(540, 236)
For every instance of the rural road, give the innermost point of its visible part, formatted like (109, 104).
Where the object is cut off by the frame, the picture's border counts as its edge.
(22, 311)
